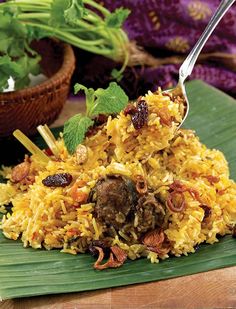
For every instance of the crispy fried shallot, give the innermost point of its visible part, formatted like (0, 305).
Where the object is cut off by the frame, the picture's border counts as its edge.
(222, 191)
(156, 241)
(178, 188)
(141, 184)
(174, 206)
(165, 117)
(212, 179)
(117, 258)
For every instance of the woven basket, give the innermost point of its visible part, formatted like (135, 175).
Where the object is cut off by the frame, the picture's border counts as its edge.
(27, 108)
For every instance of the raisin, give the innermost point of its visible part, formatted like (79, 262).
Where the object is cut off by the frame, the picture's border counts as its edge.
(140, 117)
(57, 180)
(130, 110)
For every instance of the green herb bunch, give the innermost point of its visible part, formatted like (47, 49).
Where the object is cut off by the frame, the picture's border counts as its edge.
(81, 23)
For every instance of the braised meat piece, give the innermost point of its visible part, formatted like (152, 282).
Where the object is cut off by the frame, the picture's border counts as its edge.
(149, 213)
(114, 197)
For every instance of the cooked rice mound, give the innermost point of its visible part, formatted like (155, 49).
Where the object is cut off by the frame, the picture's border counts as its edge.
(183, 194)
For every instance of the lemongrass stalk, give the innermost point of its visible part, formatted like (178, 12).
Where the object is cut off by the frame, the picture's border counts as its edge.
(49, 139)
(30, 146)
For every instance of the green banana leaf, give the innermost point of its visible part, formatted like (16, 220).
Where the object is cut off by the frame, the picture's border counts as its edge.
(29, 272)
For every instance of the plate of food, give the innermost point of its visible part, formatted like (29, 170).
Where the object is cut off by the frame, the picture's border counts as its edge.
(122, 195)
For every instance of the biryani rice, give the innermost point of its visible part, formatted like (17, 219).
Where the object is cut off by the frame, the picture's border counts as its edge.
(46, 217)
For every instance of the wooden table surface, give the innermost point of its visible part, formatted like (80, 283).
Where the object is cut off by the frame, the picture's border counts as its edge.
(213, 289)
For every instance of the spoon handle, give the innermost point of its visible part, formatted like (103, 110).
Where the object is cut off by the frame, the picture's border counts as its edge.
(188, 64)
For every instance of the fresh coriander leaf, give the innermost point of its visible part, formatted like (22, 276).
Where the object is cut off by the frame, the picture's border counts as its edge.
(117, 18)
(8, 68)
(17, 58)
(13, 9)
(74, 131)
(116, 74)
(35, 33)
(5, 43)
(22, 83)
(89, 93)
(110, 100)
(19, 69)
(75, 12)
(33, 65)
(58, 7)
(3, 81)
(27, 65)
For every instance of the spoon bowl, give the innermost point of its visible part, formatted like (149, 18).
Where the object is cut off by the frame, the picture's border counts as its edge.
(188, 64)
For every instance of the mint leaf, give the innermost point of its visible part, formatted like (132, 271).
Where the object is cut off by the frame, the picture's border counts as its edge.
(110, 100)
(89, 93)
(74, 131)
(75, 12)
(117, 18)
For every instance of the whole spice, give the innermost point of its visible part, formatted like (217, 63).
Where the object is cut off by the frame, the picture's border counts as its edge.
(81, 154)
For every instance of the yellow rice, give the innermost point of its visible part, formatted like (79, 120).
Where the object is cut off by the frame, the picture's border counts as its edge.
(45, 217)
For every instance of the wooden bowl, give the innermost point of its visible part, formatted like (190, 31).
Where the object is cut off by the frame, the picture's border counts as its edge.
(27, 108)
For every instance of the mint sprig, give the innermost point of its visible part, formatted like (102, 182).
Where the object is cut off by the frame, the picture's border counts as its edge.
(101, 101)
(74, 131)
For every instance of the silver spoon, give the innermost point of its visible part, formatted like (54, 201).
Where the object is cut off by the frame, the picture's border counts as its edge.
(188, 64)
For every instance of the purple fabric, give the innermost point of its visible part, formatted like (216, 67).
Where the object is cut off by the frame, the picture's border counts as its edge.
(164, 28)
(153, 23)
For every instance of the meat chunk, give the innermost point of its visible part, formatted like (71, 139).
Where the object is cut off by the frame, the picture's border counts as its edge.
(149, 213)
(114, 196)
